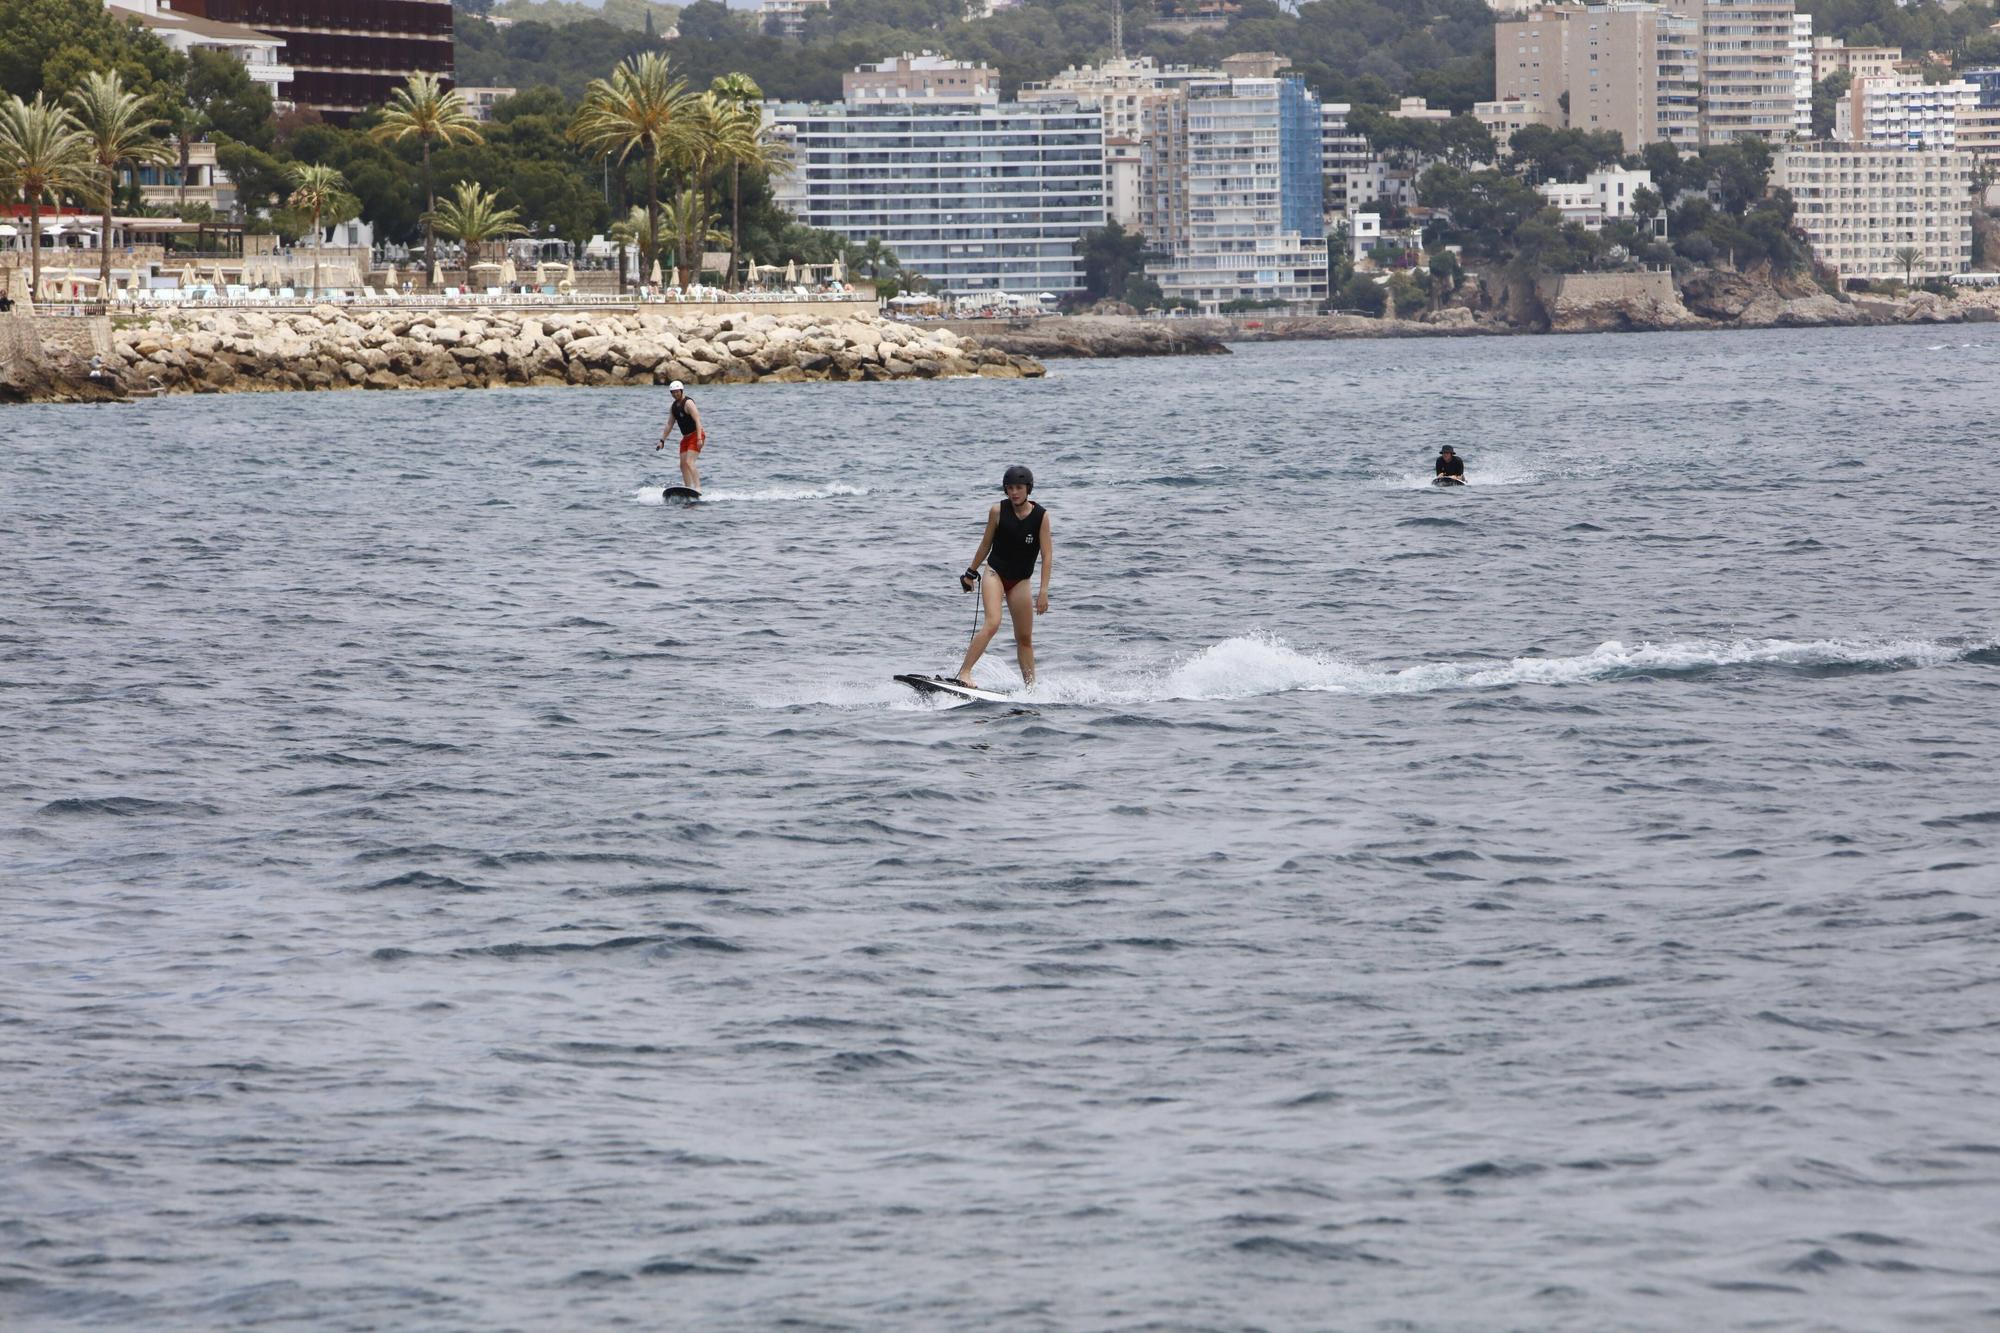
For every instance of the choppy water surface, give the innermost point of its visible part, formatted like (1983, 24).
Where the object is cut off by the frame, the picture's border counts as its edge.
(444, 889)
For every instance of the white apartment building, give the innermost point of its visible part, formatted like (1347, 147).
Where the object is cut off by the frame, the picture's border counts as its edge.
(786, 17)
(1256, 230)
(1144, 106)
(1802, 75)
(1861, 204)
(261, 53)
(1344, 156)
(974, 193)
(1905, 111)
(479, 102)
(1603, 196)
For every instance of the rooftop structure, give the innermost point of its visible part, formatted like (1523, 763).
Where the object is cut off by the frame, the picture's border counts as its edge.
(345, 57)
(921, 77)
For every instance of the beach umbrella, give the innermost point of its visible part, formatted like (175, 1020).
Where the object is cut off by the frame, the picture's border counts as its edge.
(187, 275)
(509, 275)
(656, 272)
(437, 274)
(677, 276)
(791, 271)
(750, 268)
(839, 271)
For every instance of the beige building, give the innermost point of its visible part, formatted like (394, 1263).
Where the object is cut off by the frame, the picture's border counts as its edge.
(1627, 67)
(1748, 68)
(1831, 54)
(1861, 205)
(1503, 119)
(918, 77)
(1979, 133)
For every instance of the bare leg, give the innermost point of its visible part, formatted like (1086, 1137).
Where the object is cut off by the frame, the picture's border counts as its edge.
(690, 474)
(1021, 610)
(989, 622)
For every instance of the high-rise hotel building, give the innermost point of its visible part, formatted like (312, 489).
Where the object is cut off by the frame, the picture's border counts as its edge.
(1255, 229)
(974, 193)
(346, 55)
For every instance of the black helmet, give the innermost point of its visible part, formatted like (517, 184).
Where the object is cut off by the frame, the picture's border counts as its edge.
(1018, 475)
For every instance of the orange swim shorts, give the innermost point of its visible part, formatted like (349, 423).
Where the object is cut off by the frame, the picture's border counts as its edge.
(691, 444)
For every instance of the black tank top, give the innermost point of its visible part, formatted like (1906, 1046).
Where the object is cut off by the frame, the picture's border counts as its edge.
(1016, 542)
(684, 415)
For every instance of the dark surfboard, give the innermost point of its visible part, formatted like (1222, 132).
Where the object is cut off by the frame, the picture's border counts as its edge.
(1447, 481)
(944, 685)
(679, 495)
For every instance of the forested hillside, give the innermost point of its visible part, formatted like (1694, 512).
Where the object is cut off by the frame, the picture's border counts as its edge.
(1369, 51)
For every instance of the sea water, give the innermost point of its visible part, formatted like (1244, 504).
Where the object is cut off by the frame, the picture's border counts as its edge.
(445, 888)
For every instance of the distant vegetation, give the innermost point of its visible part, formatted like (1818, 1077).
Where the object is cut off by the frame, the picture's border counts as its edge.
(1366, 51)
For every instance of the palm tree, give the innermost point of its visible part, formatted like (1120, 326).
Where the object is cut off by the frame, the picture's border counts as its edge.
(744, 142)
(691, 228)
(43, 153)
(473, 216)
(621, 234)
(695, 143)
(426, 108)
(1908, 257)
(634, 228)
(317, 189)
(636, 110)
(115, 123)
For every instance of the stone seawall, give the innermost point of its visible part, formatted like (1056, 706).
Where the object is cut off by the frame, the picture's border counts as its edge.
(329, 347)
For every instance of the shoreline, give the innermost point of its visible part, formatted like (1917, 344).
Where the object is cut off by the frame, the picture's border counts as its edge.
(328, 347)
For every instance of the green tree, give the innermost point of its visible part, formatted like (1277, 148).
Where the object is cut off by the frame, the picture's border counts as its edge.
(744, 143)
(1826, 95)
(473, 216)
(1112, 258)
(116, 130)
(637, 110)
(47, 46)
(316, 192)
(43, 155)
(220, 89)
(1908, 256)
(425, 110)
(1543, 154)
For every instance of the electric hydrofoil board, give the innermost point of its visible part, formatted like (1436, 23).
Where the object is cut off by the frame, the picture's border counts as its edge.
(679, 495)
(945, 685)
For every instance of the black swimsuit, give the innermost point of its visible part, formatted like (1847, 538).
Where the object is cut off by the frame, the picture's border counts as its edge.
(1016, 543)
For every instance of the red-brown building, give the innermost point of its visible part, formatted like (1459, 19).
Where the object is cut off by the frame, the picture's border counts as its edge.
(347, 55)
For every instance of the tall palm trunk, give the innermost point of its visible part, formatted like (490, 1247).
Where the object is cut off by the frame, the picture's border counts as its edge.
(735, 218)
(104, 237)
(318, 243)
(187, 151)
(34, 245)
(652, 238)
(430, 215)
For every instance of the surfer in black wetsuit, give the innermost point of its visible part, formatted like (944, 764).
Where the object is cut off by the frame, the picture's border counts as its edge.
(1449, 464)
(687, 417)
(1017, 530)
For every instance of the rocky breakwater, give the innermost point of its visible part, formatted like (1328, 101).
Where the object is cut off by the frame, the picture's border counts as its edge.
(1052, 337)
(332, 347)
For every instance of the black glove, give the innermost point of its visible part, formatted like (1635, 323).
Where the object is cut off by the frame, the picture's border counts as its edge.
(968, 580)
